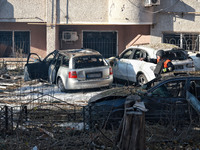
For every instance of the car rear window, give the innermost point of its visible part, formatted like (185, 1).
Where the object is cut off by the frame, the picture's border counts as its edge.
(176, 55)
(89, 62)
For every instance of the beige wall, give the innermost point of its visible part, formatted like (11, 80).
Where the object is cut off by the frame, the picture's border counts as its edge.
(103, 12)
(47, 18)
(176, 16)
(23, 10)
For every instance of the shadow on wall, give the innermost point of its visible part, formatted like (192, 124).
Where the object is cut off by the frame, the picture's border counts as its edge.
(168, 13)
(5, 50)
(6, 15)
(180, 10)
(6, 11)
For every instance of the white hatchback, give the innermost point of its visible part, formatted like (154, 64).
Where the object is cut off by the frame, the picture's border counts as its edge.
(128, 66)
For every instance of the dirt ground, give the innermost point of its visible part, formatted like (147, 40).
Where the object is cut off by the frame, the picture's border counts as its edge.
(157, 138)
(49, 136)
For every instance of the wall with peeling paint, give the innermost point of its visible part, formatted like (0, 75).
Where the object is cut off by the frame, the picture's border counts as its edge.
(103, 12)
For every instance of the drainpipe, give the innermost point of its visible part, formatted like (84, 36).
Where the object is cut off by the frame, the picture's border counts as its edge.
(67, 11)
(52, 14)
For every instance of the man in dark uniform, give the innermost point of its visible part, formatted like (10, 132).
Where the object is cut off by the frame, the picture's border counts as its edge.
(163, 64)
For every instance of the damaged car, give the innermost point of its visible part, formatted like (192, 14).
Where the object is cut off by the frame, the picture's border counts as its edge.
(134, 64)
(70, 69)
(173, 98)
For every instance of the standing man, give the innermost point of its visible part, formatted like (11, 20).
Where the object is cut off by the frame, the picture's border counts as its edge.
(163, 63)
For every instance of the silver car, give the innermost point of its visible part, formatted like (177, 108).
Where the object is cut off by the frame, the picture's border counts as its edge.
(71, 69)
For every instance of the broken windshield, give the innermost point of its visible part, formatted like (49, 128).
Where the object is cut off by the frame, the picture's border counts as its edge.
(88, 61)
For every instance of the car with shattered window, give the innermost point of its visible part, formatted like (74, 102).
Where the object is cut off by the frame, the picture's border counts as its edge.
(172, 98)
(134, 63)
(70, 69)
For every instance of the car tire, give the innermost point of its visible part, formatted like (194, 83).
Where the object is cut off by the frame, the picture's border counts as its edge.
(141, 79)
(61, 86)
(110, 86)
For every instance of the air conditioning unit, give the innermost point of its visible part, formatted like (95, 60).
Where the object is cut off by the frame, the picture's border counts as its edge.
(69, 36)
(149, 3)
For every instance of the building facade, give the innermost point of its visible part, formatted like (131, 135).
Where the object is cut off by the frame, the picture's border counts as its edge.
(109, 26)
(40, 26)
(177, 22)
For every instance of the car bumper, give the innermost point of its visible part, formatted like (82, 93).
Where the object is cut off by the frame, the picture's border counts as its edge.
(73, 84)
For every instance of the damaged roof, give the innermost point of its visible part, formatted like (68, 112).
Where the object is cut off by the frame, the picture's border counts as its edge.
(79, 52)
(159, 46)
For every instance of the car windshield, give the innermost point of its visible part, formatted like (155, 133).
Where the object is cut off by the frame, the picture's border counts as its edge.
(176, 54)
(89, 61)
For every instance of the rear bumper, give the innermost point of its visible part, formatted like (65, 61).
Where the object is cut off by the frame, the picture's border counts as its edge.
(73, 84)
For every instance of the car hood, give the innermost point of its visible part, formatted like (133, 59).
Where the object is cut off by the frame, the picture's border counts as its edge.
(116, 92)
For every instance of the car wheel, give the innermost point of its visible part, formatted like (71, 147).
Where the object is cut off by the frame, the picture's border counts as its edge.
(141, 79)
(61, 85)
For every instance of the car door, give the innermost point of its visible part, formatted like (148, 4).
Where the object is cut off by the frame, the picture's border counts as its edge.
(167, 101)
(35, 68)
(138, 64)
(121, 64)
(53, 68)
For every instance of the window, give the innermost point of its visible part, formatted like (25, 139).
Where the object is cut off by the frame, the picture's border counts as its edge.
(178, 54)
(184, 40)
(65, 61)
(14, 43)
(88, 62)
(103, 42)
(126, 54)
(170, 89)
(195, 88)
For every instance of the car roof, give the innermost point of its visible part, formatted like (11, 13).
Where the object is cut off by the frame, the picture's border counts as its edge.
(151, 49)
(158, 46)
(79, 52)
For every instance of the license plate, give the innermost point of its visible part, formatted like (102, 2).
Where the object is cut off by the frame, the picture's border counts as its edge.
(179, 67)
(93, 75)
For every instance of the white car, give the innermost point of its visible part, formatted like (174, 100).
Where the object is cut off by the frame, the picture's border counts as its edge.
(196, 58)
(128, 66)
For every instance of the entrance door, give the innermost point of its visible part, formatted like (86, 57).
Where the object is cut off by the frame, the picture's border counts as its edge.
(104, 42)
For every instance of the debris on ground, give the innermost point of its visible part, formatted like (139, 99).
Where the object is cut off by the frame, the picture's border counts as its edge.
(44, 128)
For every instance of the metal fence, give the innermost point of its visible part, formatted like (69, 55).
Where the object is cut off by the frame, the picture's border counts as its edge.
(39, 112)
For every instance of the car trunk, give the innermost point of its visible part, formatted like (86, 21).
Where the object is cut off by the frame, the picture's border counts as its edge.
(93, 73)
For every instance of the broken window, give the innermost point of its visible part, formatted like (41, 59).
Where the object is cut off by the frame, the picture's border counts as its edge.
(14, 43)
(170, 89)
(178, 54)
(184, 40)
(141, 55)
(65, 61)
(88, 61)
(127, 54)
(195, 88)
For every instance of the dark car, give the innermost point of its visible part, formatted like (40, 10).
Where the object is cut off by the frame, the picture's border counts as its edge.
(168, 100)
